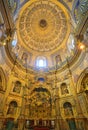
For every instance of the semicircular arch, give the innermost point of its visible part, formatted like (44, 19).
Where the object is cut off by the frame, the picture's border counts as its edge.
(82, 81)
(2, 80)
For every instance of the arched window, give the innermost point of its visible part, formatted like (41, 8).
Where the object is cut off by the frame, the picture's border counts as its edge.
(71, 44)
(41, 62)
(14, 41)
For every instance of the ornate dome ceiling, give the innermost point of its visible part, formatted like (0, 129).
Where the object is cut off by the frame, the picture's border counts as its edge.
(43, 25)
(43, 36)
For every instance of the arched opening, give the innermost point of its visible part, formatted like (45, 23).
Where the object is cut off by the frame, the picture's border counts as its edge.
(69, 115)
(82, 84)
(68, 109)
(17, 87)
(12, 108)
(41, 62)
(64, 89)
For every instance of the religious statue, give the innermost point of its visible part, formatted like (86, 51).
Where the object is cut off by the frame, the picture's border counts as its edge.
(64, 89)
(68, 109)
(17, 87)
(12, 108)
(24, 57)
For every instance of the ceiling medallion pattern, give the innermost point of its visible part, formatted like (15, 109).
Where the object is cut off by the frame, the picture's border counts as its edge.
(43, 25)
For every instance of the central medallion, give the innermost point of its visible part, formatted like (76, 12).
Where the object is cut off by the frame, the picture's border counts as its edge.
(43, 23)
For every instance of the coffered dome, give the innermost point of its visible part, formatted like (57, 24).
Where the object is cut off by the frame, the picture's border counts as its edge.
(43, 25)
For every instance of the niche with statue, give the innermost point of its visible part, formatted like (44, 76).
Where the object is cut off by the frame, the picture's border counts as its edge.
(68, 112)
(24, 57)
(12, 108)
(64, 89)
(17, 87)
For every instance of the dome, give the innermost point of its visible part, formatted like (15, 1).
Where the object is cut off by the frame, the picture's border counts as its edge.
(43, 37)
(45, 26)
